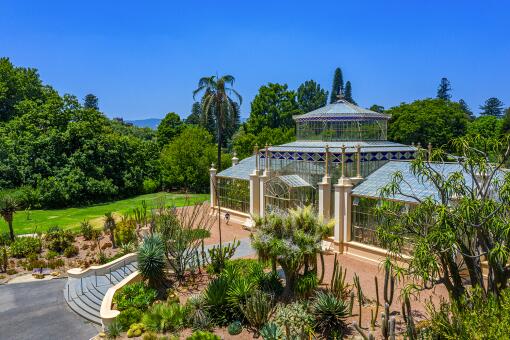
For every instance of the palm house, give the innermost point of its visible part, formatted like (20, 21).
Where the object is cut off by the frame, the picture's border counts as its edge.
(339, 161)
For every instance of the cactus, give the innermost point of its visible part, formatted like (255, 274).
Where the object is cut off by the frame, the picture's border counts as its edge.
(408, 318)
(372, 319)
(376, 297)
(322, 267)
(360, 295)
(351, 303)
(389, 284)
(338, 285)
(368, 336)
(385, 322)
(392, 328)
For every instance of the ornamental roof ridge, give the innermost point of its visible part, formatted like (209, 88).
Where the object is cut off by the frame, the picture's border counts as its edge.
(341, 110)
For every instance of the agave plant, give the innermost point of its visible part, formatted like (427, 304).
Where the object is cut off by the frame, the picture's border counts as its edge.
(271, 331)
(330, 313)
(151, 260)
(216, 300)
(238, 291)
(257, 309)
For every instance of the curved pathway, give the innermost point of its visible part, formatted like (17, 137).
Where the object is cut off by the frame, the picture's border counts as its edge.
(36, 310)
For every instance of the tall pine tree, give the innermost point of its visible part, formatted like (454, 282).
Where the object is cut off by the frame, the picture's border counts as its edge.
(492, 107)
(444, 89)
(91, 102)
(348, 93)
(338, 85)
(196, 113)
(466, 109)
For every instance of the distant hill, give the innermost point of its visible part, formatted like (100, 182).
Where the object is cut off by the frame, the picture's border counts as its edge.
(149, 122)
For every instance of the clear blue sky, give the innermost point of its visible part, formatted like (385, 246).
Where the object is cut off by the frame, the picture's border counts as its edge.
(144, 58)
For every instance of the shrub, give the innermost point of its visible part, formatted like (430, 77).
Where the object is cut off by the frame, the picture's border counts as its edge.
(257, 309)
(71, 251)
(11, 271)
(125, 231)
(294, 319)
(129, 316)
(58, 240)
(135, 330)
(219, 256)
(24, 246)
(271, 331)
(50, 255)
(270, 283)
(113, 330)
(306, 284)
(33, 262)
(237, 293)
(88, 232)
(164, 317)
(5, 239)
(4, 259)
(55, 263)
(151, 260)
(473, 317)
(198, 317)
(216, 300)
(330, 313)
(235, 328)
(150, 186)
(202, 335)
(150, 336)
(136, 295)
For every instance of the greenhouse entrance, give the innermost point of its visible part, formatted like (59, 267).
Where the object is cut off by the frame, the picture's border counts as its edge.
(288, 192)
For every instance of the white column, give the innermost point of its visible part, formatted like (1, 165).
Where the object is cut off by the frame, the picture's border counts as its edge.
(262, 200)
(343, 203)
(213, 185)
(255, 193)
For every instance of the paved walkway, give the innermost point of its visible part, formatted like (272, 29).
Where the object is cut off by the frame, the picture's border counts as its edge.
(36, 310)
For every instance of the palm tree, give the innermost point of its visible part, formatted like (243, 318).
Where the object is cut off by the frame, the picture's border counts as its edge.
(217, 101)
(109, 226)
(8, 206)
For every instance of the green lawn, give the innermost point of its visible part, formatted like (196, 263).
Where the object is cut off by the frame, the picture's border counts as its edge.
(70, 218)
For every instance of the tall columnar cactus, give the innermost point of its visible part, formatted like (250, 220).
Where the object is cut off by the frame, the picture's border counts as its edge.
(392, 328)
(338, 285)
(351, 303)
(359, 294)
(364, 335)
(408, 318)
(389, 284)
(385, 322)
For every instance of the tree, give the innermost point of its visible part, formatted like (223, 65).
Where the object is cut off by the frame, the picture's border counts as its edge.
(310, 96)
(16, 85)
(8, 206)
(464, 225)
(293, 241)
(244, 142)
(505, 128)
(216, 101)
(183, 231)
(91, 102)
(109, 226)
(338, 85)
(444, 89)
(485, 126)
(464, 106)
(492, 107)
(348, 93)
(169, 128)
(273, 106)
(427, 121)
(196, 114)
(186, 160)
(377, 108)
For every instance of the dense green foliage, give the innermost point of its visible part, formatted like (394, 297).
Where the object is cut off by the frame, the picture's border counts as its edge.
(311, 96)
(24, 246)
(426, 121)
(486, 126)
(186, 160)
(169, 127)
(135, 295)
(67, 153)
(330, 313)
(244, 142)
(151, 259)
(473, 317)
(348, 93)
(273, 107)
(163, 317)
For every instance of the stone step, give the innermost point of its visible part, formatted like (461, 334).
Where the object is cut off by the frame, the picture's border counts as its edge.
(84, 313)
(87, 298)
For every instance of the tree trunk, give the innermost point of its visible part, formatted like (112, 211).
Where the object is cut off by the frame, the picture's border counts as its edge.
(112, 238)
(11, 229)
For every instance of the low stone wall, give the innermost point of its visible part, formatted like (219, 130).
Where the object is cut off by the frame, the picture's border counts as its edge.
(104, 268)
(106, 312)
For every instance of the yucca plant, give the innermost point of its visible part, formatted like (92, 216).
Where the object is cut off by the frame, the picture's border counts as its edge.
(151, 260)
(330, 313)
(257, 309)
(238, 291)
(164, 317)
(216, 300)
